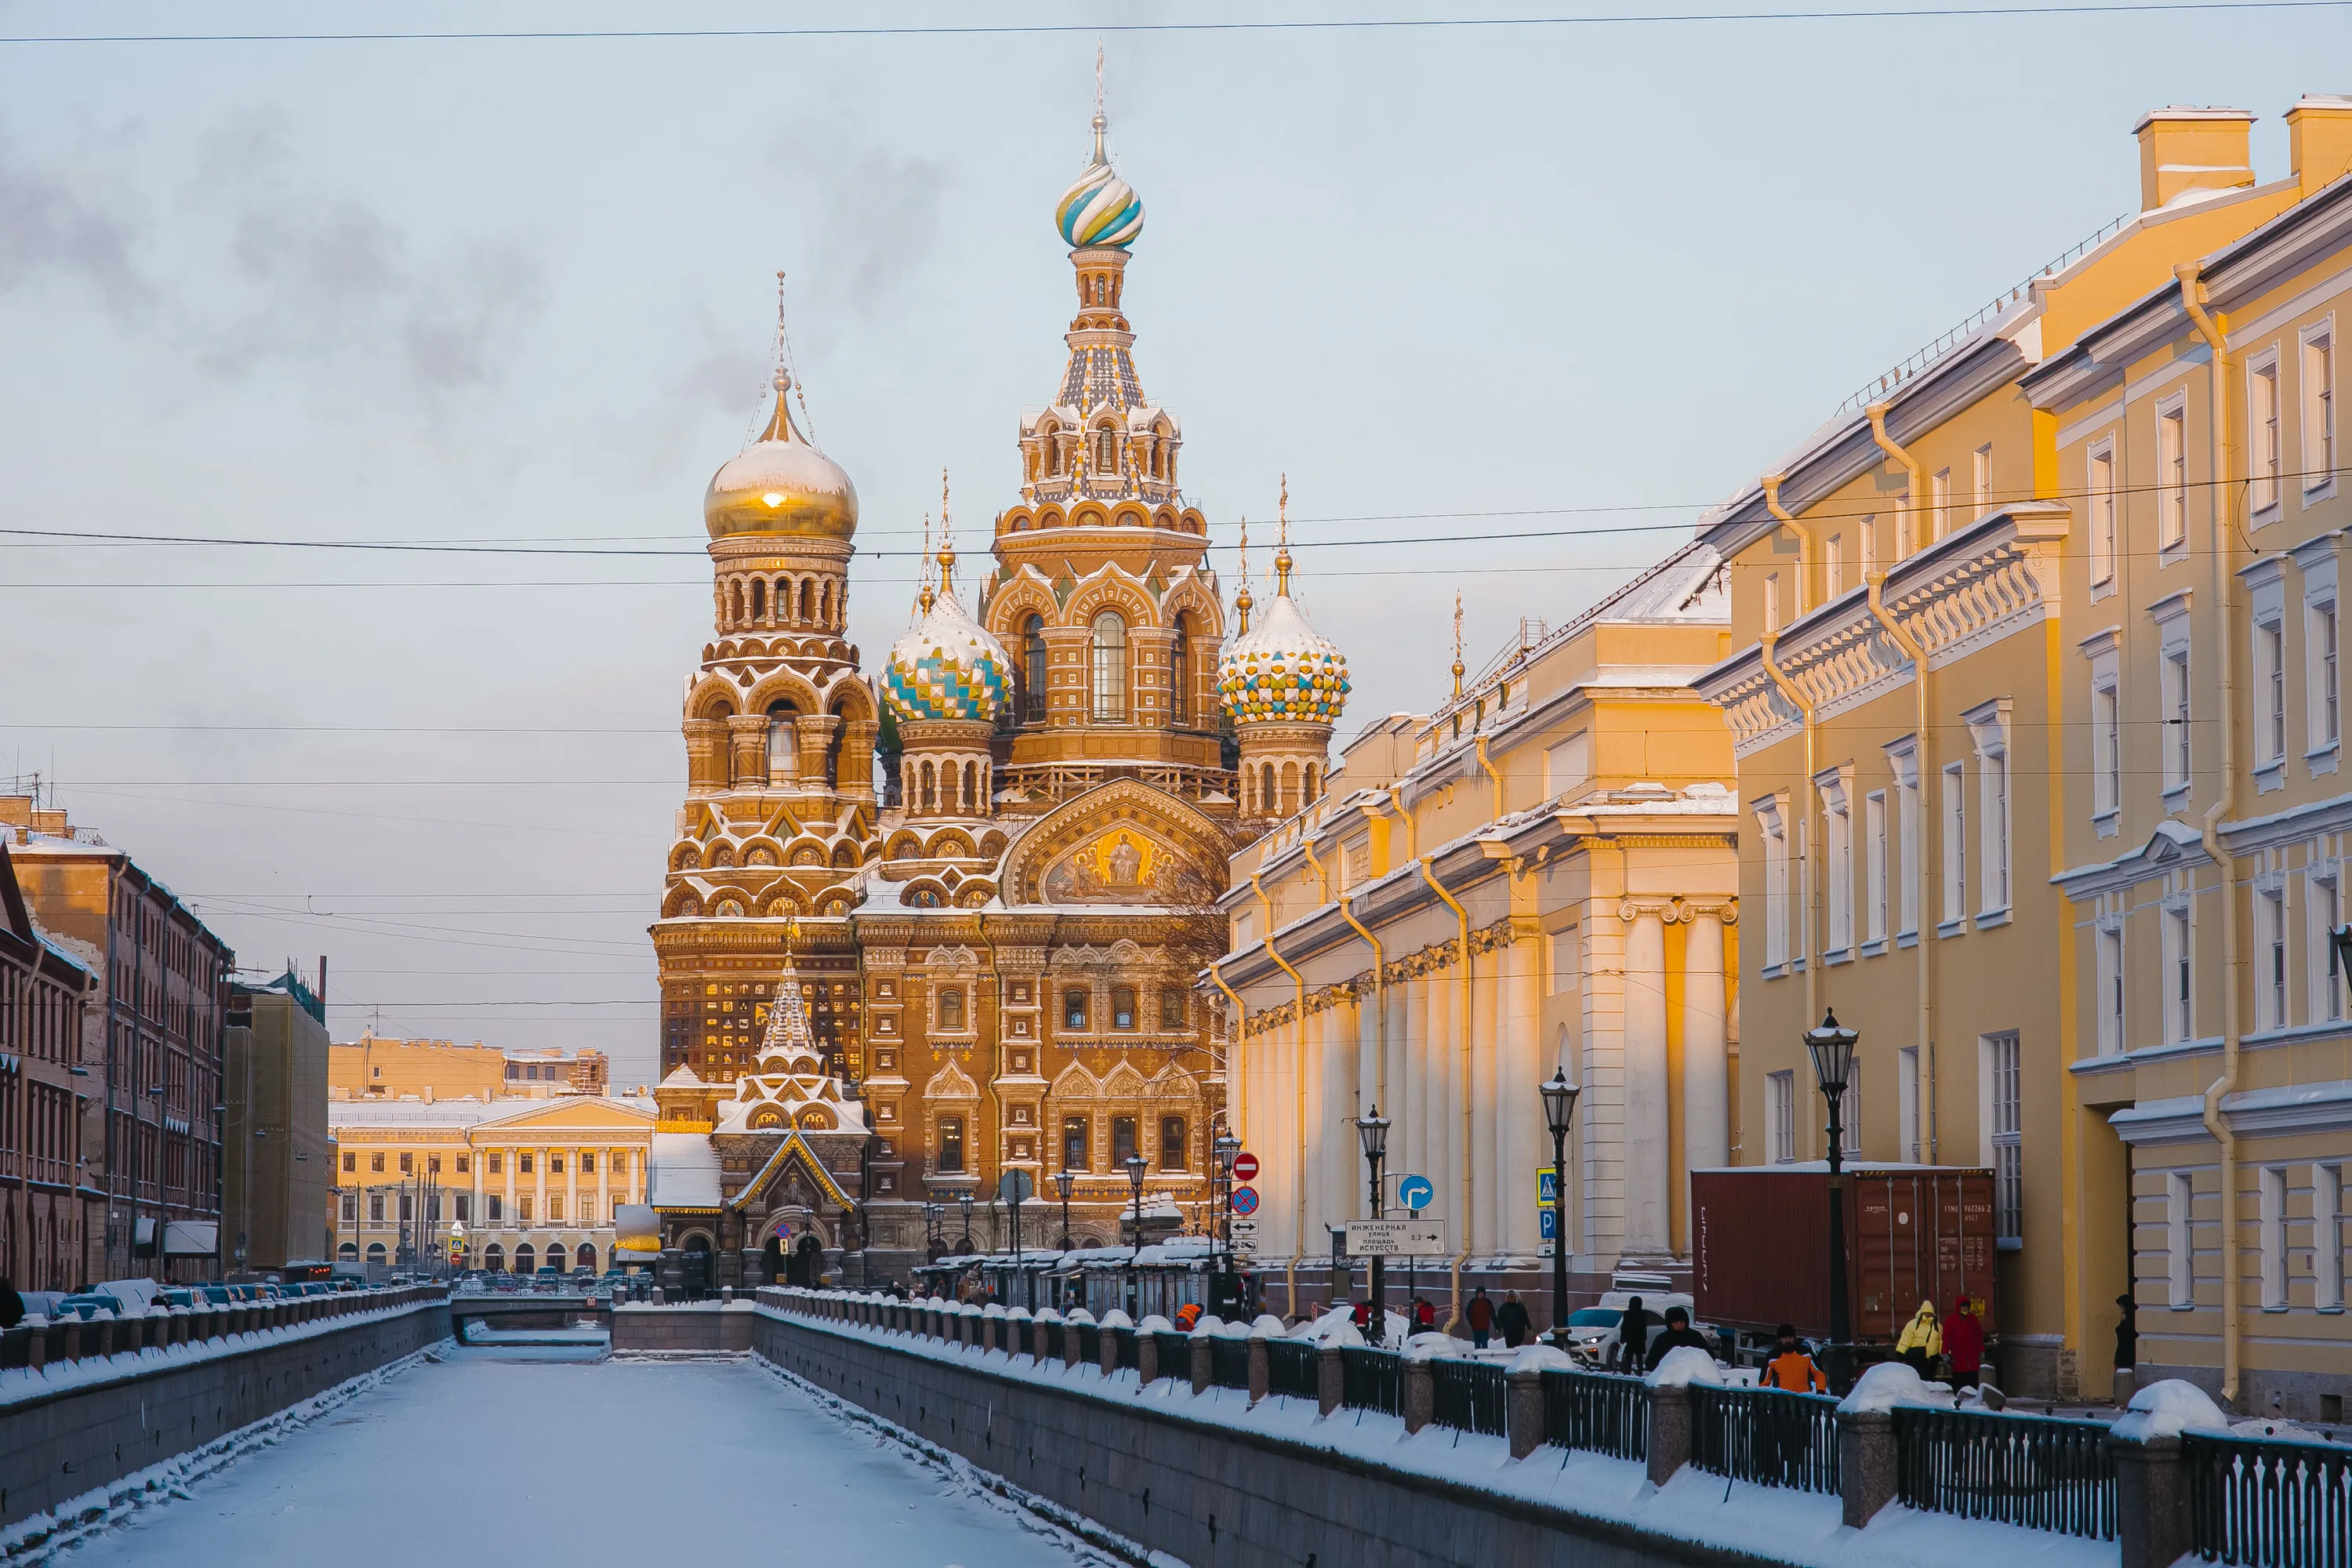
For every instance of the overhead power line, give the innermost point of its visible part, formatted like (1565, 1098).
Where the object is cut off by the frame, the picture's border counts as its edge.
(1261, 25)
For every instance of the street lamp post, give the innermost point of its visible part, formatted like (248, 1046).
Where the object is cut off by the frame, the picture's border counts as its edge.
(1135, 1168)
(1064, 1180)
(1831, 1047)
(932, 1214)
(1559, 1114)
(1373, 1131)
(963, 1199)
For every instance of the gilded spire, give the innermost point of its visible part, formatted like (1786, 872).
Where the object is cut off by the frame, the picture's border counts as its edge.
(1282, 544)
(947, 537)
(1242, 600)
(780, 423)
(1457, 643)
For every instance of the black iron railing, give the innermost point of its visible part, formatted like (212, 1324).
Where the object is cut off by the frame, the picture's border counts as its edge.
(2267, 1503)
(2033, 1470)
(1294, 1368)
(1175, 1351)
(1125, 1340)
(1469, 1397)
(1371, 1380)
(1229, 1363)
(1763, 1436)
(1597, 1411)
(1090, 1343)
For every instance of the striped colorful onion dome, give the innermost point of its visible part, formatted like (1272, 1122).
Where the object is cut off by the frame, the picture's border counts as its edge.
(1282, 670)
(947, 667)
(1099, 208)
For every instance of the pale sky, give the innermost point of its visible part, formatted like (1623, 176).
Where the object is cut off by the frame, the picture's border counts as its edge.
(523, 291)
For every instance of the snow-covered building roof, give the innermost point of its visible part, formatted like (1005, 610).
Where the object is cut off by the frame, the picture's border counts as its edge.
(683, 1170)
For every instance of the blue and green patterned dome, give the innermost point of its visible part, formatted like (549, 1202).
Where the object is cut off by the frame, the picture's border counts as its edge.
(947, 667)
(1100, 209)
(1282, 670)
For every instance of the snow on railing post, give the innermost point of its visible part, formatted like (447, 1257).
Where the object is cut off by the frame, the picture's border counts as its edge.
(1070, 1346)
(1147, 1358)
(1261, 1369)
(1107, 1360)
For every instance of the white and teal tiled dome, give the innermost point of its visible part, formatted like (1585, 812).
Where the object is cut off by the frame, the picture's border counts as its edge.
(947, 667)
(1099, 208)
(1283, 670)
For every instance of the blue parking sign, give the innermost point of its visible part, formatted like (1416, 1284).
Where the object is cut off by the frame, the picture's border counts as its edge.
(1547, 1224)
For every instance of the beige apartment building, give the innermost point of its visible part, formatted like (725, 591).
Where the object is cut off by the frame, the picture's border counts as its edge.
(446, 1069)
(502, 1184)
(278, 1166)
(2203, 832)
(1541, 874)
(1915, 705)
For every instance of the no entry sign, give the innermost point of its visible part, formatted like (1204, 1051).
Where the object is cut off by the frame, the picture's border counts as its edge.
(1246, 1166)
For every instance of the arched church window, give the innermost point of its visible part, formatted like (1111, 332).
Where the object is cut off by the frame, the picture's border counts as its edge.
(1172, 1008)
(951, 1145)
(1106, 457)
(1110, 669)
(758, 599)
(1122, 1007)
(1180, 674)
(951, 1008)
(1033, 675)
(782, 757)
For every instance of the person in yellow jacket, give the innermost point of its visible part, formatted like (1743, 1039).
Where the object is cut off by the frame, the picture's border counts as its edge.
(1922, 1340)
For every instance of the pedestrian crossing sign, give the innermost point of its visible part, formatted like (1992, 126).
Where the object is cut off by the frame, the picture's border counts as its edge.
(1547, 1189)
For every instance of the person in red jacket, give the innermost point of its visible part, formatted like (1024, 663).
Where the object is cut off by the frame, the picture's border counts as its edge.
(1964, 1344)
(1481, 1313)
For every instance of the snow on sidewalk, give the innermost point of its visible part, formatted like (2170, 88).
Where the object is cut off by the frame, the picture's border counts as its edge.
(584, 1461)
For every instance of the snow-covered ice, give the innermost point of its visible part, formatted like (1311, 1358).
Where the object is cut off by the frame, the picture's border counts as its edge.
(553, 1457)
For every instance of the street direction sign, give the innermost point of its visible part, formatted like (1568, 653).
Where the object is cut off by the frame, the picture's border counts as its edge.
(1245, 1228)
(1246, 1166)
(1015, 1188)
(1415, 1191)
(1395, 1238)
(1245, 1200)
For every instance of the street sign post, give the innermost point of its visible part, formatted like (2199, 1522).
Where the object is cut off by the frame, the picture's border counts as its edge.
(1547, 1190)
(1395, 1238)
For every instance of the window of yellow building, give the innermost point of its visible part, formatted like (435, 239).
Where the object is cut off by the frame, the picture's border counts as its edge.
(375, 1161)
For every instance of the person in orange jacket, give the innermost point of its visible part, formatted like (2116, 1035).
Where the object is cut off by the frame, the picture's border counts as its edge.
(1790, 1369)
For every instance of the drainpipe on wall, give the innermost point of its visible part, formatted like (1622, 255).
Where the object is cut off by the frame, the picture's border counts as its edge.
(1926, 767)
(1913, 483)
(1468, 1165)
(1796, 698)
(2192, 300)
(1298, 1074)
(1803, 595)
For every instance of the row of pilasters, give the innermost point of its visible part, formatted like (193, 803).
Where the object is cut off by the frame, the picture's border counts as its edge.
(1471, 1119)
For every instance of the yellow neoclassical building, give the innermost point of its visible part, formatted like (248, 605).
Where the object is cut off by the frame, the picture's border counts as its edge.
(530, 1181)
(1926, 606)
(1542, 873)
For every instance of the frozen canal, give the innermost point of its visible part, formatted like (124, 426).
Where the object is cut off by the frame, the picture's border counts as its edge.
(511, 1455)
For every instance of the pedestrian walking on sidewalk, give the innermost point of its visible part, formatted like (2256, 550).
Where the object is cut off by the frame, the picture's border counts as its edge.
(1964, 1343)
(1512, 1320)
(1922, 1340)
(1678, 1332)
(1481, 1313)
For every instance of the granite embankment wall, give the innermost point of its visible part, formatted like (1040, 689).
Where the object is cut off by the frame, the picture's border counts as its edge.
(73, 1427)
(1201, 1492)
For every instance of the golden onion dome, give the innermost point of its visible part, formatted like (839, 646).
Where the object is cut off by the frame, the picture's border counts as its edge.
(781, 485)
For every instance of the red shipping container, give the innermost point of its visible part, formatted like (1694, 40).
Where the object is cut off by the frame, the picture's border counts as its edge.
(1760, 1246)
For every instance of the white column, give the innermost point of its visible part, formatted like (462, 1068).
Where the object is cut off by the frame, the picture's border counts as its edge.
(1487, 1151)
(1707, 1067)
(1437, 1102)
(1343, 1028)
(1521, 1143)
(1600, 1138)
(1647, 1171)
